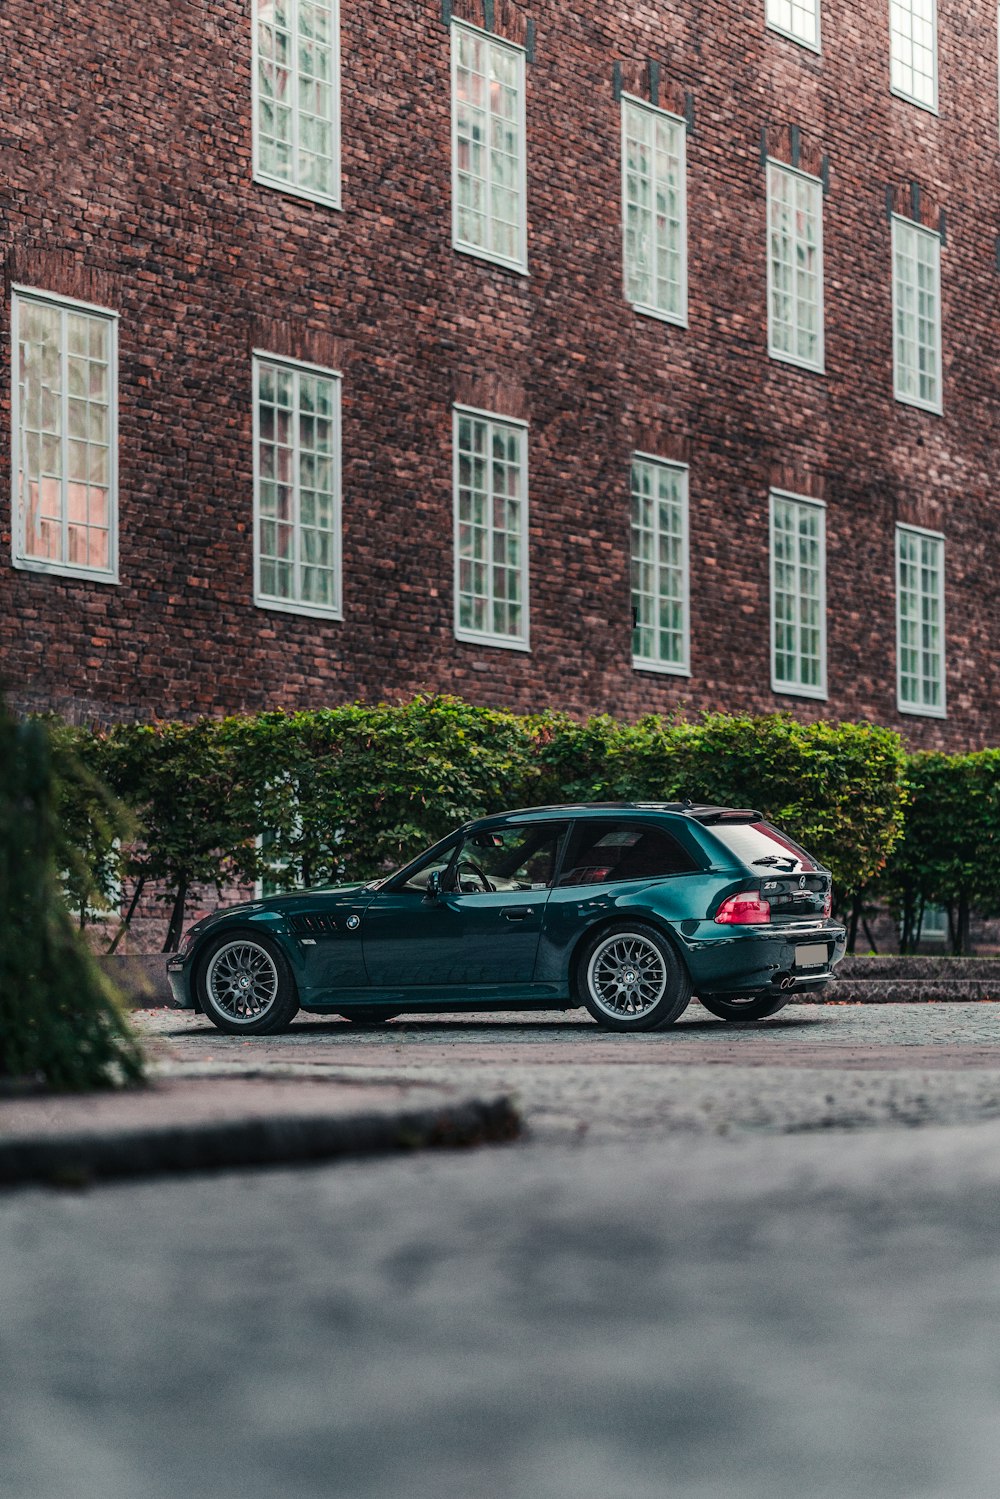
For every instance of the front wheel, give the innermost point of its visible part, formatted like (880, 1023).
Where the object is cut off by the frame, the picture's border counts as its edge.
(246, 986)
(631, 979)
(744, 1007)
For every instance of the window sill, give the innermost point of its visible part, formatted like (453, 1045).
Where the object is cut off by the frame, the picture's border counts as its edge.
(661, 668)
(913, 712)
(898, 93)
(66, 570)
(677, 320)
(289, 190)
(800, 41)
(308, 611)
(469, 637)
(519, 267)
(796, 363)
(935, 408)
(788, 689)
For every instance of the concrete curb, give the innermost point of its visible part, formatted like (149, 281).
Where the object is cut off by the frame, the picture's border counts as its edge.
(76, 1158)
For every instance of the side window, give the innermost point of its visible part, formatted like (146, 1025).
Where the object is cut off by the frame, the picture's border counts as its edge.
(600, 852)
(436, 861)
(507, 859)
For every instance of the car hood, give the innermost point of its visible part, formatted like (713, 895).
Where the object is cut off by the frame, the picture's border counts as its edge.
(288, 904)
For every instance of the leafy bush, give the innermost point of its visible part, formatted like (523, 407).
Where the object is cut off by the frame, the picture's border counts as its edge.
(348, 792)
(950, 854)
(60, 1019)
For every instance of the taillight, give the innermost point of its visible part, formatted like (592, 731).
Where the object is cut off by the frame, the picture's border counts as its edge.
(745, 909)
(828, 903)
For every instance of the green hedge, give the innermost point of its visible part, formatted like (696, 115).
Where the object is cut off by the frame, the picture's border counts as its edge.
(950, 854)
(345, 793)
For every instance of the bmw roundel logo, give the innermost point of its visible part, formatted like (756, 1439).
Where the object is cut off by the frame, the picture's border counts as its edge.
(353, 922)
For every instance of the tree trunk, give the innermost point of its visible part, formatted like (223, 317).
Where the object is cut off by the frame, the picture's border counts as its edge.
(960, 927)
(852, 925)
(139, 884)
(176, 927)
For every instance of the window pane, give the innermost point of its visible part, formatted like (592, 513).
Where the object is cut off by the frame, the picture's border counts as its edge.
(796, 18)
(913, 50)
(798, 595)
(920, 620)
(295, 94)
(488, 145)
(795, 266)
(659, 564)
(490, 527)
(916, 255)
(654, 230)
(62, 435)
(298, 504)
(601, 852)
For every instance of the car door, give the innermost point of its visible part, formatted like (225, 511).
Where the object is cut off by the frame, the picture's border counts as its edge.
(478, 937)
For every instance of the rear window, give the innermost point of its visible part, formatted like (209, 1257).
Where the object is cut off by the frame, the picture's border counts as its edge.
(761, 846)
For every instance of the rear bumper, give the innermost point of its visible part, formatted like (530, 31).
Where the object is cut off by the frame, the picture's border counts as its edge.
(752, 958)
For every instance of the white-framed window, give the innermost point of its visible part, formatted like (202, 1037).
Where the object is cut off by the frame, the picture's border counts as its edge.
(920, 671)
(913, 51)
(296, 97)
(64, 436)
(934, 924)
(660, 566)
(491, 528)
(488, 181)
(794, 266)
(916, 314)
(798, 19)
(296, 487)
(798, 595)
(654, 210)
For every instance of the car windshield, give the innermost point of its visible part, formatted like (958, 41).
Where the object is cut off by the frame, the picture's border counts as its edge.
(761, 845)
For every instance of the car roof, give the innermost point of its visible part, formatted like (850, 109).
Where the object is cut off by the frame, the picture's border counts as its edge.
(704, 812)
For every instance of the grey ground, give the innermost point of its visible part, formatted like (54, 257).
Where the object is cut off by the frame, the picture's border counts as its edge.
(721, 1267)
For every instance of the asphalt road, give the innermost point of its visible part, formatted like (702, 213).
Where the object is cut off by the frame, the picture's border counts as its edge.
(723, 1266)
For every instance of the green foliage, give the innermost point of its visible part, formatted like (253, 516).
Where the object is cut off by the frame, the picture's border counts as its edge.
(60, 1020)
(950, 855)
(92, 824)
(346, 793)
(835, 787)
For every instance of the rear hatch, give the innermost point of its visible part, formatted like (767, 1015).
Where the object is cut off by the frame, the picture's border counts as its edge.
(794, 885)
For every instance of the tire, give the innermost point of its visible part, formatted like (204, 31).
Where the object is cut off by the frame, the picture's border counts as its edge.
(630, 978)
(751, 1007)
(368, 1015)
(246, 986)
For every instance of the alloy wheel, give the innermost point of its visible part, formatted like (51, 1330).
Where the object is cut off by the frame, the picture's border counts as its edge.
(242, 981)
(626, 975)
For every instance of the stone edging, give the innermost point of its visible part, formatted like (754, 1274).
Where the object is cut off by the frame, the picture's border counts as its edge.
(78, 1158)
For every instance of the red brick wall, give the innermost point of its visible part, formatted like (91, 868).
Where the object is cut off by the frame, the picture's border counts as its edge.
(125, 150)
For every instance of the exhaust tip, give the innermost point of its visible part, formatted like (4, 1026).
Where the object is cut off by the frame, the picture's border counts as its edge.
(783, 981)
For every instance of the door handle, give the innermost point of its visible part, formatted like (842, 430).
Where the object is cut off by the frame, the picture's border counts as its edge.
(517, 913)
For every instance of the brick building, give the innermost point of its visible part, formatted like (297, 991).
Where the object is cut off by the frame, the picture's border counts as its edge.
(613, 357)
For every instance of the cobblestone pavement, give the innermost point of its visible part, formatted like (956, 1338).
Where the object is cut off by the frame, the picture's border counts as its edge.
(809, 1067)
(683, 1286)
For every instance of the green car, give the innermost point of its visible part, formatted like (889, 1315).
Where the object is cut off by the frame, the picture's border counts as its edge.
(626, 908)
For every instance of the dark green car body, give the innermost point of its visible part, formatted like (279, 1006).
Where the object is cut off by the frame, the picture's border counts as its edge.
(446, 939)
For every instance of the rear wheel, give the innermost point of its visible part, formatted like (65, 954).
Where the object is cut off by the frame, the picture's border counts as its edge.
(744, 1007)
(631, 979)
(246, 986)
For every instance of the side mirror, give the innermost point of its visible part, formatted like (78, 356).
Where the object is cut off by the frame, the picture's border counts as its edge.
(433, 886)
